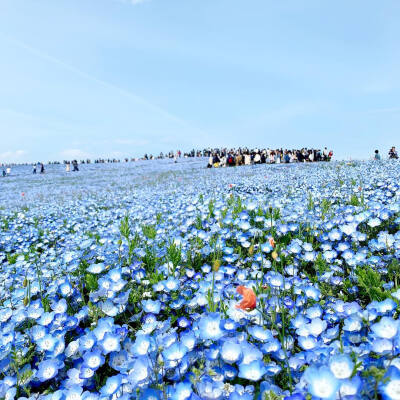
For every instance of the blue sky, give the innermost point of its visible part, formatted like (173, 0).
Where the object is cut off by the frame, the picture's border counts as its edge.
(115, 78)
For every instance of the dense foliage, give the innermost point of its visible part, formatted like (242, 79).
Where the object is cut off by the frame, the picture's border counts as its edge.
(122, 282)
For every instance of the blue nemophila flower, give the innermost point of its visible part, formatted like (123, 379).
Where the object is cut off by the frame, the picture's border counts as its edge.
(96, 268)
(60, 306)
(86, 342)
(182, 391)
(321, 382)
(350, 387)
(93, 359)
(46, 318)
(188, 338)
(307, 342)
(65, 289)
(151, 394)
(250, 352)
(341, 366)
(73, 393)
(85, 373)
(47, 343)
(212, 352)
(151, 306)
(171, 284)
(142, 345)
(183, 322)
(75, 377)
(382, 346)
(110, 343)
(104, 325)
(390, 387)
(352, 324)
(231, 351)
(121, 361)
(260, 333)
(386, 328)
(210, 390)
(253, 371)
(109, 308)
(48, 369)
(113, 383)
(210, 327)
(175, 352)
(140, 372)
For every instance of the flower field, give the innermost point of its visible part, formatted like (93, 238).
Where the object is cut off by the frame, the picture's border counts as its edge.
(156, 280)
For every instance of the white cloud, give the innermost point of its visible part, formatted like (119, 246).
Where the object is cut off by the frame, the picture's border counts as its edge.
(12, 156)
(69, 154)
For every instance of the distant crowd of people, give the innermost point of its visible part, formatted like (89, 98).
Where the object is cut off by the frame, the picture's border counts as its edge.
(38, 166)
(73, 164)
(6, 170)
(392, 154)
(243, 156)
(218, 157)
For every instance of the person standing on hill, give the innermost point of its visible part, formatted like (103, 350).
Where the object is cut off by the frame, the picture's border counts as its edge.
(325, 154)
(377, 156)
(393, 153)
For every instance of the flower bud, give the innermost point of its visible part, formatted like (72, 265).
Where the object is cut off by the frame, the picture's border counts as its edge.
(216, 265)
(251, 250)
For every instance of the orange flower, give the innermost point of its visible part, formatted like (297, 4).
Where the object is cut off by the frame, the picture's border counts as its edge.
(271, 242)
(249, 300)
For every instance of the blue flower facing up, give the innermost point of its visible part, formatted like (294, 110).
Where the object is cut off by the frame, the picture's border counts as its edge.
(231, 351)
(182, 391)
(175, 352)
(110, 343)
(121, 361)
(253, 371)
(321, 382)
(140, 372)
(142, 345)
(150, 306)
(390, 388)
(209, 327)
(341, 366)
(93, 359)
(210, 390)
(48, 369)
(386, 328)
(73, 393)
